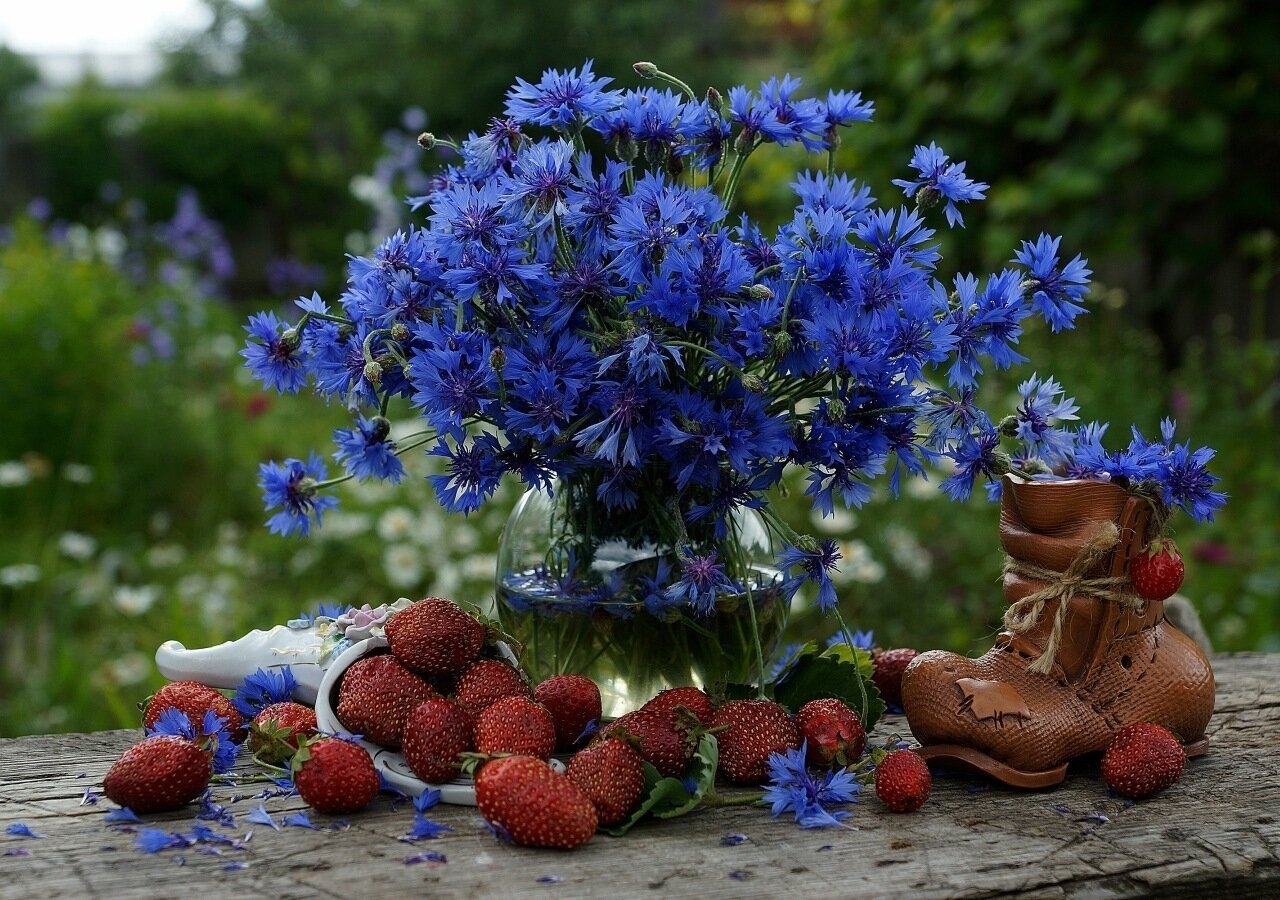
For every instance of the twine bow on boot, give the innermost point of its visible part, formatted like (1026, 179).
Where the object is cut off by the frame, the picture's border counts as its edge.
(1025, 614)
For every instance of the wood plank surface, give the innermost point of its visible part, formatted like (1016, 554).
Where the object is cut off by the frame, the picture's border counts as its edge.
(1216, 832)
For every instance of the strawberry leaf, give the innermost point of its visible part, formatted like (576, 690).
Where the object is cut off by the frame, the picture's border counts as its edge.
(840, 671)
(666, 798)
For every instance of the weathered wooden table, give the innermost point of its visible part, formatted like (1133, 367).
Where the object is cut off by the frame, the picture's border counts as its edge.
(1216, 832)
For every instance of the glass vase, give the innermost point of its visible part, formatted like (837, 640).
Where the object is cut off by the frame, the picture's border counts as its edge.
(582, 591)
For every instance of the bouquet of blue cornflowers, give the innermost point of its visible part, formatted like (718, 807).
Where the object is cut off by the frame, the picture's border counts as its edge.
(583, 309)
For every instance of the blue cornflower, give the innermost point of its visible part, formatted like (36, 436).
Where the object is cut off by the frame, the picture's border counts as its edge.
(473, 473)
(701, 580)
(645, 229)
(793, 788)
(816, 565)
(1056, 292)
(276, 358)
(940, 179)
(974, 455)
(803, 120)
(468, 217)
(703, 133)
(1043, 403)
(562, 100)
(264, 687)
(497, 276)
(845, 108)
(212, 734)
(541, 177)
(452, 376)
(293, 487)
(1185, 482)
(652, 591)
(367, 450)
(592, 200)
(423, 829)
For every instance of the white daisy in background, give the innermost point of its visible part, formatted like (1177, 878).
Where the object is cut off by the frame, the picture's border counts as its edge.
(397, 524)
(841, 521)
(14, 473)
(858, 564)
(907, 552)
(77, 546)
(19, 575)
(77, 473)
(134, 600)
(131, 668)
(403, 565)
(166, 556)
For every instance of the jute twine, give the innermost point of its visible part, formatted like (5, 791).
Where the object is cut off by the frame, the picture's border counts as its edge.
(1025, 614)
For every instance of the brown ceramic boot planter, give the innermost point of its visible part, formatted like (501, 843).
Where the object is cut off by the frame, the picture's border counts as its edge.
(1081, 657)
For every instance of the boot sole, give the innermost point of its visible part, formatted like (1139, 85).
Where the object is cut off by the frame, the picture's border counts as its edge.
(972, 760)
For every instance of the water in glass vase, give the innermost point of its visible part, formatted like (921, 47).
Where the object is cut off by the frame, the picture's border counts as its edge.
(608, 618)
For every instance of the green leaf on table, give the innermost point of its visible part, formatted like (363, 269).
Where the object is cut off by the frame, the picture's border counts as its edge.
(666, 798)
(840, 671)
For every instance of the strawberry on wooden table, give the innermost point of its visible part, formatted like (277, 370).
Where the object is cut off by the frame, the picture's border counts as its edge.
(194, 699)
(275, 731)
(376, 695)
(1142, 760)
(1157, 570)
(159, 773)
(611, 773)
(749, 732)
(887, 667)
(526, 800)
(436, 733)
(435, 636)
(833, 731)
(518, 725)
(334, 776)
(574, 704)
(903, 781)
(665, 738)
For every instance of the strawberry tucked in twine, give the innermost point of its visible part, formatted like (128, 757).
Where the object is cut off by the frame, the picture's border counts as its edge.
(1025, 614)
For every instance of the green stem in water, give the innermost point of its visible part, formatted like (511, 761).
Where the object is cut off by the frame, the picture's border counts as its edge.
(864, 702)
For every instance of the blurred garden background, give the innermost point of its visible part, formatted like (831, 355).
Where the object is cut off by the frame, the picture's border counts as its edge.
(142, 222)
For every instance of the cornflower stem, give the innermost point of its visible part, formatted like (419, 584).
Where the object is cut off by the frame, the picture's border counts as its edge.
(731, 186)
(714, 801)
(675, 82)
(367, 348)
(710, 354)
(864, 702)
(564, 250)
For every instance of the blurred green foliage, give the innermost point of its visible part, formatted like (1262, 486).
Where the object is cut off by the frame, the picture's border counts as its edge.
(1140, 132)
(1136, 129)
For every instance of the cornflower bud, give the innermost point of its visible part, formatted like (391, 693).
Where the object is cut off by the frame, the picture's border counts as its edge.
(714, 100)
(290, 339)
(1001, 464)
(928, 196)
(744, 143)
(381, 428)
(373, 372)
(426, 140)
(836, 409)
(754, 383)
(1008, 426)
(645, 69)
(498, 359)
(760, 292)
(399, 332)
(781, 343)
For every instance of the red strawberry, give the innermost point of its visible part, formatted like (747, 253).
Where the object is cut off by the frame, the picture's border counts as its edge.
(611, 773)
(275, 730)
(574, 704)
(833, 731)
(334, 776)
(666, 738)
(1157, 570)
(488, 680)
(436, 732)
(526, 800)
(158, 773)
(1142, 760)
(517, 725)
(887, 667)
(691, 698)
(435, 636)
(376, 695)
(194, 699)
(750, 732)
(903, 781)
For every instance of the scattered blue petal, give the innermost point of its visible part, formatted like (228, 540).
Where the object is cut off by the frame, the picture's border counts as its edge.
(123, 815)
(22, 829)
(427, 856)
(260, 816)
